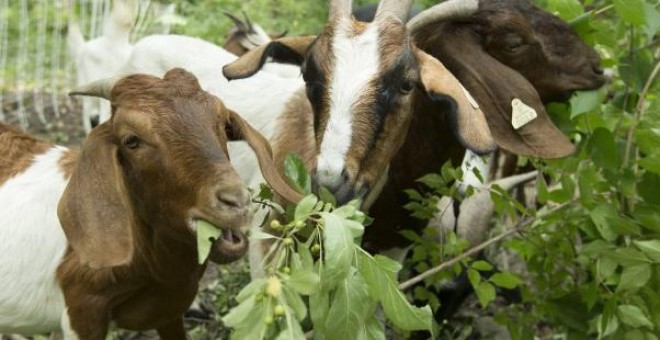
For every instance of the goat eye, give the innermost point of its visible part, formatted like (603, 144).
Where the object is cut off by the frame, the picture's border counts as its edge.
(407, 86)
(132, 142)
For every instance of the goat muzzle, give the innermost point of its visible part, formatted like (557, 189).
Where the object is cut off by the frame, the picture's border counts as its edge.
(230, 246)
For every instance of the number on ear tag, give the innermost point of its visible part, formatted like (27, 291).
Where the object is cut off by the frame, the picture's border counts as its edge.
(522, 114)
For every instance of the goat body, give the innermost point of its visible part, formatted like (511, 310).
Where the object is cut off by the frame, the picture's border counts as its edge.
(127, 205)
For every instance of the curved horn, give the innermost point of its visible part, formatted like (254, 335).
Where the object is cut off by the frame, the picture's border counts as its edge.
(451, 9)
(100, 88)
(340, 8)
(396, 8)
(239, 24)
(247, 20)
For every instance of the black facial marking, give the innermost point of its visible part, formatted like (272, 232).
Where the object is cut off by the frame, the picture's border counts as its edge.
(389, 94)
(315, 83)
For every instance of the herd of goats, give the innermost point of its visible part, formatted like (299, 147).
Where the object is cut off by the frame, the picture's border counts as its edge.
(106, 234)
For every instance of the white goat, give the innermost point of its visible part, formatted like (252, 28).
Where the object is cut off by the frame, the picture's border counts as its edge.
(102, 56)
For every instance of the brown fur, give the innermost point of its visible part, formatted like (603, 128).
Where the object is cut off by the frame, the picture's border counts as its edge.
(18, 151)
(132, 256)
(469, 50)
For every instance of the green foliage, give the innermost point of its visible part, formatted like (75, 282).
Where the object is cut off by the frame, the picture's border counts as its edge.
(316, 257)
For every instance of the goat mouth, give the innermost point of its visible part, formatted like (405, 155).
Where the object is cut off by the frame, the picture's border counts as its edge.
(230, 246)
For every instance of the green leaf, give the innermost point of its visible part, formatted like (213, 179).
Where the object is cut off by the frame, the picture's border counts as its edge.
(647, 138)
(296, 173)
(649, 188)
(265, 192)
(304, 282)
(474, 277)
(651, 163)
(319, 305)
(634, 277)
(305, 207)
(567, 9)
(339, 249)
(207, 233)
(631, 11)
(585, 101)
(295, 302)
(247, 319)
(375, 330)
(505, 280)
(260, 235)
(254, 287)
(650, 248)
(326, 196)
(633, 316)
(292, 330)
(481, 266)
(351, 306)
(380, 273)
(603, 149)
(600, 217)
(485, 293)
(628, 257)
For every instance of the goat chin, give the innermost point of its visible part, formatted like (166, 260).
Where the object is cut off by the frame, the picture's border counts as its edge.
(39, 244)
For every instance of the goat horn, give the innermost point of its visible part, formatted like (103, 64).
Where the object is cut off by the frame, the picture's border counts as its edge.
(239, 24)
(451, 9)
(477, 210)
(247, 21)
(396, 8)
(340, 8)
(100, 88)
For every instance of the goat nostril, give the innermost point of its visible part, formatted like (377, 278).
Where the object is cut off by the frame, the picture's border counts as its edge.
(344, 176)
(231, 200)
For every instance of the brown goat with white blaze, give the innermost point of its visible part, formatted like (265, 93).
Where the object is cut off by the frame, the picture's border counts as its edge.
(361, 81)
(128, 204)
(378, 96)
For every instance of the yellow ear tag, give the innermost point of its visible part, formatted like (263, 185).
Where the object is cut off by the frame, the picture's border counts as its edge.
(522, 114)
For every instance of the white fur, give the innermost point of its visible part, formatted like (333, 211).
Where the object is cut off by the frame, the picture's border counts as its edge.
(32, 244)
(356, 64)
(471, 163)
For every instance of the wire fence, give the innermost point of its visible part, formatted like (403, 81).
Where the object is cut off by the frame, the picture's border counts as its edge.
(36, 69)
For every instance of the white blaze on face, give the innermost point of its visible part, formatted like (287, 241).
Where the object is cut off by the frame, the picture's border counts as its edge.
(356, 63)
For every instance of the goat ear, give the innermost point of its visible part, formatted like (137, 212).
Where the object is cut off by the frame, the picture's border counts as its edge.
(514, 111)
(288, 50)
(241, 130)
(94, 209)
(442, 87)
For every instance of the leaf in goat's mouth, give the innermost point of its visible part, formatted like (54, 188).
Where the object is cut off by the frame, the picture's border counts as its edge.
(206, 234)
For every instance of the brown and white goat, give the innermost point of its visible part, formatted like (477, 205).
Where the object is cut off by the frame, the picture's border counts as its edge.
(500, 51)
(372, 89)
(361, 81)
(124, 249)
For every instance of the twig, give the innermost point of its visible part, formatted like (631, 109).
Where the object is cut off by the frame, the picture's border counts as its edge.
(639, 112)
(472, 251)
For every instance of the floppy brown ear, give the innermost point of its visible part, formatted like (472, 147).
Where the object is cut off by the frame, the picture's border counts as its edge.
(468, 120)
(241, 130)
(288, 50)
(499, 89)
(94, 209)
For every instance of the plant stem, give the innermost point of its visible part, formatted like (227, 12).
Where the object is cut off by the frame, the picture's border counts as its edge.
(474, 250)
